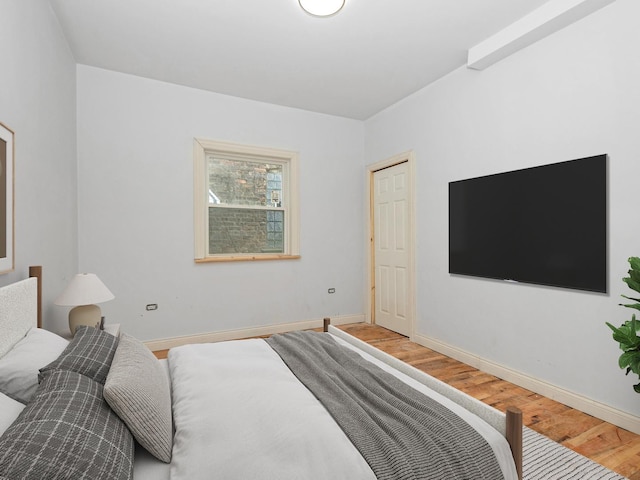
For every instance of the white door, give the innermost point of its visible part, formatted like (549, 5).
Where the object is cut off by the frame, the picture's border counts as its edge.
(391, 234)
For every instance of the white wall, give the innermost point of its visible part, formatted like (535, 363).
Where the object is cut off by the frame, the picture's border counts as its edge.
(37, 101)
(136, 208)
(571, 95)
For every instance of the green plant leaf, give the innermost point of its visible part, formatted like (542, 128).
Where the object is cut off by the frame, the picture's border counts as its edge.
(630, 305)
(634, 363)
(623, 361)
(619, 335)
(611, 327)
(631, 298)
(631, 361)
(627, 335)
(627, 359)
(633, 284)
(633, 280)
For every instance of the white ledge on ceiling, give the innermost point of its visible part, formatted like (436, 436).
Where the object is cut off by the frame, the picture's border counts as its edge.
(549, 18)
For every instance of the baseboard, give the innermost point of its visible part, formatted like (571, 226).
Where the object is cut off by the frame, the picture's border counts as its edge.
(167, 343)
(579, 402)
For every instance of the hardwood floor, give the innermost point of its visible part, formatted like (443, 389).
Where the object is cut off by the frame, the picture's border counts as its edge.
(604, 443)
(611, 446)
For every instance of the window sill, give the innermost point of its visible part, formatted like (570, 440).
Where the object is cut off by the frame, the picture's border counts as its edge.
(246, 258)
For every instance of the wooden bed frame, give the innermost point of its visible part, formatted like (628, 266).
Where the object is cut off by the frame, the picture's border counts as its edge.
(513, 429)
(36, 272)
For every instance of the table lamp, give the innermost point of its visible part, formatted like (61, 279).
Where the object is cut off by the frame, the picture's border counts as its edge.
(82, 293)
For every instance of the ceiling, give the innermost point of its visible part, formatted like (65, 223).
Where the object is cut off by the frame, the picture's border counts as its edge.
(354, 64)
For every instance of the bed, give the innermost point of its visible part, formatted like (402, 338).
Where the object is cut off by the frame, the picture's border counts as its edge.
(303, 405)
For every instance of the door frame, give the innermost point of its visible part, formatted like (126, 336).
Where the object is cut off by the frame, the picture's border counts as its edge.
(409, 158)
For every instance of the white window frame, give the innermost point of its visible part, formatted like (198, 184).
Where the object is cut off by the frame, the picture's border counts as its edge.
(201, 198)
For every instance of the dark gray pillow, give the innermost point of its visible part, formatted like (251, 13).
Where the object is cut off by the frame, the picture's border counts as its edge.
(69, 432)
(89, 353)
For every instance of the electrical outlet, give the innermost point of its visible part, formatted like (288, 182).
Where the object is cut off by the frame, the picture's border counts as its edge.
(152, 306)
(332, 290)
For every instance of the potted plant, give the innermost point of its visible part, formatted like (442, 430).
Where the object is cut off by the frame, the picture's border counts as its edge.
(627, 334)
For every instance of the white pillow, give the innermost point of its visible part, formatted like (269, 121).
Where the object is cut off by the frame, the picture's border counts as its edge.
(137, 389)
(19, 367)
(9, 411)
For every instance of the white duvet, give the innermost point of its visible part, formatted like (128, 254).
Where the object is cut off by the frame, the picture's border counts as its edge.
(240, 413)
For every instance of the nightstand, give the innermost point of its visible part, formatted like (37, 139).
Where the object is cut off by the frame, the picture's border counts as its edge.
(113, 329)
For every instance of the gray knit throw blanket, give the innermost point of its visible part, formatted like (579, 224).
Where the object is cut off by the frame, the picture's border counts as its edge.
(400, 432)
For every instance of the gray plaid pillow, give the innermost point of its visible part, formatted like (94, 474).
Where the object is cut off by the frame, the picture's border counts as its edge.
(89, 353)
(69, 432)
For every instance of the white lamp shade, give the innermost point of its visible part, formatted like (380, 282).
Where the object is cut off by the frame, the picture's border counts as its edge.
(321, 8)
(84, 289)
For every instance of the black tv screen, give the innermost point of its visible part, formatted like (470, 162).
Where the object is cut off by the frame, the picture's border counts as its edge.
(544, 225)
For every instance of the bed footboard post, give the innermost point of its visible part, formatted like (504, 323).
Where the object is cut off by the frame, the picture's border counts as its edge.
(36, 271)
(325, 326)
(514, 436)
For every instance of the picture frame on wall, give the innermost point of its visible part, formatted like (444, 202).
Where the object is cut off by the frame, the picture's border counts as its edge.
(7, 162)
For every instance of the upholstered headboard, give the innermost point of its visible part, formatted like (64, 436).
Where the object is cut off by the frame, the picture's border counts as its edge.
(20, 309)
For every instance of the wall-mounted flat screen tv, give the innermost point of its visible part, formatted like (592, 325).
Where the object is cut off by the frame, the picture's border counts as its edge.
(544, 225)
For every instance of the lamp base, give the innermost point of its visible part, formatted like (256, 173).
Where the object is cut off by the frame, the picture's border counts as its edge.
(89, 315)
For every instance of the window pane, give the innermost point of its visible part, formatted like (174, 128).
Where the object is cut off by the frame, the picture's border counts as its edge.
(241, 182)
(239, 230)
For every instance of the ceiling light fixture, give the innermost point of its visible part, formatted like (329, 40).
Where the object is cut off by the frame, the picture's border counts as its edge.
(321, 8)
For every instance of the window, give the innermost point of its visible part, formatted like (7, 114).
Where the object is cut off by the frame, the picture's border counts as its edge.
(245, 202)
